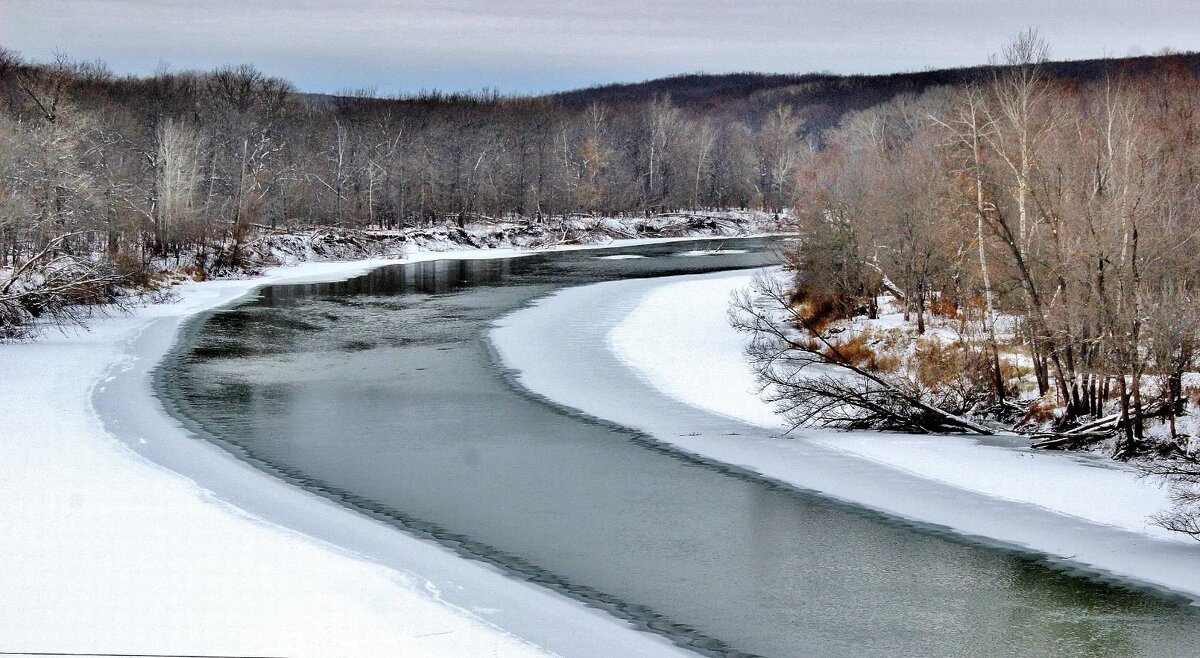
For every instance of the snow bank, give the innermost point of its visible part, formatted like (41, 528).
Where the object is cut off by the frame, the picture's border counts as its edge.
(633, 351)
(679, 339)
(328, 243)
(1089, 487)
(109, 549)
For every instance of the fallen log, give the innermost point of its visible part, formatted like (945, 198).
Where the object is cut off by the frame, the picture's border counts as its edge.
(1152, 411)
(1067, 440)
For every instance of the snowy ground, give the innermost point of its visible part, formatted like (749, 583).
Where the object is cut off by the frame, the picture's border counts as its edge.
(631, 351)
(120, 534)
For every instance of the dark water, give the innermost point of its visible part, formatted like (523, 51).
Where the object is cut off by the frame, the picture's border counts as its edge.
(380, 392)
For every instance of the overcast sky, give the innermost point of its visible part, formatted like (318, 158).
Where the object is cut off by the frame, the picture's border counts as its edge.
(539, 45)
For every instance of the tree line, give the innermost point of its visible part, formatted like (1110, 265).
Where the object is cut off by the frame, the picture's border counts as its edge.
(1056, 222)
(181, 162)
(105, 178)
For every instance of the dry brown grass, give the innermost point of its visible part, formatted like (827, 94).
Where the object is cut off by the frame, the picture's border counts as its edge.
(858, 352)
(819, 313)
(940, 307)
(1041, 411)
(1014, 374)
(886, 363)
(958, 376)
(937, 366)
(1192, 394)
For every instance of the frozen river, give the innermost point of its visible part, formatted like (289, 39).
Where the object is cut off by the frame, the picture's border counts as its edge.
(383, 393)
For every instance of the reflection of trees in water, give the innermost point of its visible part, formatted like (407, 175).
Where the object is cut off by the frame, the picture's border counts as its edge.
(439, 277)
(436, 277)
(435, 297)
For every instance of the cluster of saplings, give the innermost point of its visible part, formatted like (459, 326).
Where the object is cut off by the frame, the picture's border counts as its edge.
(186, 166)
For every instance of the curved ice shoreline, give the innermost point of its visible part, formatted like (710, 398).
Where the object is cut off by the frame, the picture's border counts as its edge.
(576, 348)
(124, 534)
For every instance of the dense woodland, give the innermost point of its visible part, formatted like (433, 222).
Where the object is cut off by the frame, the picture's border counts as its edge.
(104, 178)
(173, 163)
(1052, 224)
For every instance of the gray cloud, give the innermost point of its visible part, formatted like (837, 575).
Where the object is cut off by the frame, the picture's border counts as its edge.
(540, 45)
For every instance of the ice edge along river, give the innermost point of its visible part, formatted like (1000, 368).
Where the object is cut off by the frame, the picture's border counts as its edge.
(630, 351)
(124, 534)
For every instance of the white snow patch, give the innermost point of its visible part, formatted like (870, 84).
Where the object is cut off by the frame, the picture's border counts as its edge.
(1086, 486)
(620, 257)
(680, 340)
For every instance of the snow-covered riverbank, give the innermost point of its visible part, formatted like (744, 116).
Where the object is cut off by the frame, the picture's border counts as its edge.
(631, 351)
(123, 535)
(679, 339)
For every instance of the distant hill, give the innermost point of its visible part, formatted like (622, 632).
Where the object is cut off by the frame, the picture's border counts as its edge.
(689, 89)
(823, 97)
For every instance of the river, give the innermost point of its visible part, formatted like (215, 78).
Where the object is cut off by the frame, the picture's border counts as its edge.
(382, 393)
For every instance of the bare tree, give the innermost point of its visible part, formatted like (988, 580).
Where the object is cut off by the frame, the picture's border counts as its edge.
(178, 185)
(811, 379)
(56, 287)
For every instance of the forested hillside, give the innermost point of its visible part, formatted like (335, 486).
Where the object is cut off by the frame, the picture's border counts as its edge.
(824, 99)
